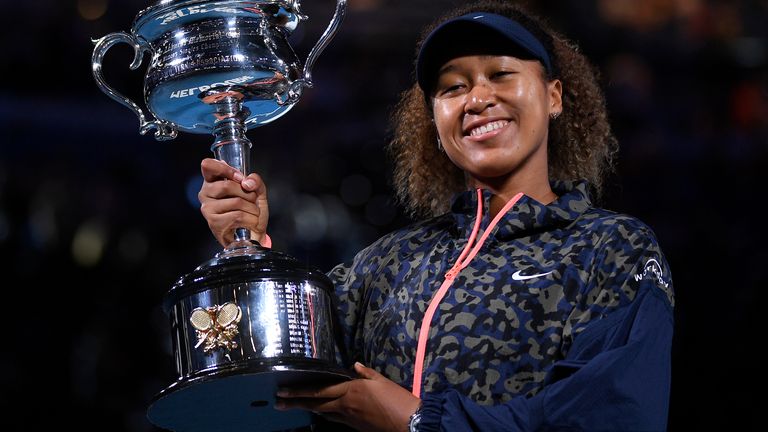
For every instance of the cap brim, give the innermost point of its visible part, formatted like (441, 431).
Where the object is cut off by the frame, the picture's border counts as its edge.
(474, 34)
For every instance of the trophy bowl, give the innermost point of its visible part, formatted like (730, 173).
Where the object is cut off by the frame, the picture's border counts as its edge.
(250, 319)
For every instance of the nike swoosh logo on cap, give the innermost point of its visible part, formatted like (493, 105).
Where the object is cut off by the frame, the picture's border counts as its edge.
(518, 277)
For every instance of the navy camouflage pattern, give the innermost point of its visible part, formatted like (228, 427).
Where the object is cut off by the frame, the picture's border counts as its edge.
(505, 328)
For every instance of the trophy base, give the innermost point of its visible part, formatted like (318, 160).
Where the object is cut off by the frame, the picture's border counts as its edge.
(238, 400)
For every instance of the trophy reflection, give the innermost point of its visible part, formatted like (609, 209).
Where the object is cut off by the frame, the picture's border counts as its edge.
(250, 319)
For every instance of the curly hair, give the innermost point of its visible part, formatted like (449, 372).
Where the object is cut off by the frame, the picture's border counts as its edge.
(581, 144)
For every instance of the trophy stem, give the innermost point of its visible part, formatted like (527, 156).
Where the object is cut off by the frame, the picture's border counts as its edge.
(232, 146)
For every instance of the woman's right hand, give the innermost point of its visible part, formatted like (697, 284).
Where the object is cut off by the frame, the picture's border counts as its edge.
(228, 200)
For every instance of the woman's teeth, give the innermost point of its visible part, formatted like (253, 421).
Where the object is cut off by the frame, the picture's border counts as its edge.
(488, 127)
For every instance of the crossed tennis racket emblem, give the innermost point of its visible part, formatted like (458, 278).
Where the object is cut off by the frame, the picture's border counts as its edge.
(216, 326)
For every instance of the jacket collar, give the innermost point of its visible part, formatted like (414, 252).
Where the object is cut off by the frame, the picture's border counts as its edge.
(527, 215)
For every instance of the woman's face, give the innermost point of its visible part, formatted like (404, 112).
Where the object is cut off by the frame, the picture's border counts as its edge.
(492, 115)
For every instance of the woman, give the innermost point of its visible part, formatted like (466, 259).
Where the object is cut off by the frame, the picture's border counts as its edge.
(513, 304)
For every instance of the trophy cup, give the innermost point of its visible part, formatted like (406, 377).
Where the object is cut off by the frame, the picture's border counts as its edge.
(250, 319)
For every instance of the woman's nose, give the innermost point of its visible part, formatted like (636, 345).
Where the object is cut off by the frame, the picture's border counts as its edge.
(480, 97)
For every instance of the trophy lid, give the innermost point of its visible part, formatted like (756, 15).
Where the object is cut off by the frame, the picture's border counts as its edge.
(167, 15)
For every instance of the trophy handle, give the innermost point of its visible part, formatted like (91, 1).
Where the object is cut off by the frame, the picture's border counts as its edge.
(294, 92)
(164, 129)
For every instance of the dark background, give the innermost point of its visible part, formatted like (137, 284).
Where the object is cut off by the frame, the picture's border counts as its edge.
(97, 222)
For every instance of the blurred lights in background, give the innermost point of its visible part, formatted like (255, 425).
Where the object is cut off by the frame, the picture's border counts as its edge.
(748, 51)
(647, 14)
(364, 5)
(92, 10)
(310, 219)
(88, 243)
(194, 183)
(339, 218)
(42, 226)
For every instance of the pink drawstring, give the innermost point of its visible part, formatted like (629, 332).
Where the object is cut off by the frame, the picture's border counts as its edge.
(464, 259)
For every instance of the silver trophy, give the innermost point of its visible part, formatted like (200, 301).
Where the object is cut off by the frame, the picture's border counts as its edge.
(250, 319)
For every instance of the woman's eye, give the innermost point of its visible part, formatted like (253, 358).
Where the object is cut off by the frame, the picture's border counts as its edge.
(450, 89)
(500, 74)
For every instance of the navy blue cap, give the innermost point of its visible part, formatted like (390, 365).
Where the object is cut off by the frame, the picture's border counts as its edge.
(476, 33)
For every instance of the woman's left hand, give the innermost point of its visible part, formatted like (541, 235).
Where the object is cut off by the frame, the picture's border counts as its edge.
(369, 403)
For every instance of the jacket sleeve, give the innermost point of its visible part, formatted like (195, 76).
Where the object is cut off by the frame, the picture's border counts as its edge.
(349, 287)
(616, 373)
(351, 281)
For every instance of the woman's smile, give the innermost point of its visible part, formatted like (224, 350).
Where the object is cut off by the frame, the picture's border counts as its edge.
(485, 129)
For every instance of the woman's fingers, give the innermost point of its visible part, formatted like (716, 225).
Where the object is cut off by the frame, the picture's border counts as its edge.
(371, 403)
(254, 183)
(229, 200)
(332, 391)
(320, 400)
(368, 373)
(225, 215)
(225, 189)
(320, 406)
(223, 206)
(234, 219)
(213, 170)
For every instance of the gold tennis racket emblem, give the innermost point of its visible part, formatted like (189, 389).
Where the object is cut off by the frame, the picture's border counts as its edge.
(216, 326)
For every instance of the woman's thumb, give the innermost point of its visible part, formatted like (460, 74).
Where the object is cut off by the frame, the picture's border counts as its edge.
(366, 372)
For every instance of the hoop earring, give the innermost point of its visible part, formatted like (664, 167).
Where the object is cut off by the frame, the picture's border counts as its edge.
(440, 145)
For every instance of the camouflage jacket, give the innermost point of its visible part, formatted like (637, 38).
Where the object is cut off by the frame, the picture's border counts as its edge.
(562, 320)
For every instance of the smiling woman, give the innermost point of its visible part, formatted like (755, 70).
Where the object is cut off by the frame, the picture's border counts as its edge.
(491, 114)
(513, 303)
